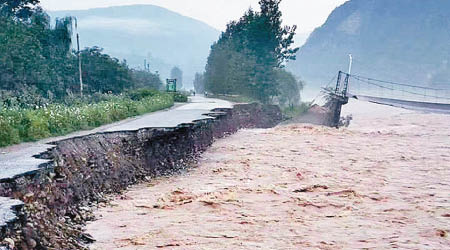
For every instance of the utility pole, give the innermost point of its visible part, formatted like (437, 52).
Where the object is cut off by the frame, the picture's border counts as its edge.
(79, 58)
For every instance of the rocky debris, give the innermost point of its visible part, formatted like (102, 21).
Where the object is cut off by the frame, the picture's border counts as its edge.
(316, 109)
(345, 121)
(9, 220)
(58, 198)
(327, 115)
(8, 244)
(317, 115)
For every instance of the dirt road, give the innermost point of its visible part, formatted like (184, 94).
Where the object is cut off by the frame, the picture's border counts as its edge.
(383, 183)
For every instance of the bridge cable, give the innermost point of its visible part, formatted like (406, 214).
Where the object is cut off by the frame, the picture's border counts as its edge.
(396, 83)
(368, 81)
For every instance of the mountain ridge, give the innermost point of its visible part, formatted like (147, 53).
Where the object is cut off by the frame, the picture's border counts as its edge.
(403, 40)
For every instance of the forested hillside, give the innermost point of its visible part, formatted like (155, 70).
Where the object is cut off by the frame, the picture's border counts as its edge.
(162, 37)
(401, 40)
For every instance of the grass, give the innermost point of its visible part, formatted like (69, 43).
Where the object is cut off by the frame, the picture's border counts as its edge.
(21, 125)
(179, 97)
(295, 111)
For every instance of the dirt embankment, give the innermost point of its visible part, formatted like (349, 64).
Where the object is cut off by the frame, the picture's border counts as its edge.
(383, 183)
(58, 197)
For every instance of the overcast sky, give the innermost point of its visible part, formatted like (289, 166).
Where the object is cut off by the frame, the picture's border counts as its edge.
(306, 14)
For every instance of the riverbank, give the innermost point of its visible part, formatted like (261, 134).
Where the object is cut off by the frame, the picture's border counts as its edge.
(57, 197)
(381, 183)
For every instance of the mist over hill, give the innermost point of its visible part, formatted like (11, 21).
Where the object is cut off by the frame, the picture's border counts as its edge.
(401, 40)
(140, 32)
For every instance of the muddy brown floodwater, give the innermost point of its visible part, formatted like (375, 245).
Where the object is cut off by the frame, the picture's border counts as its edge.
(382, 183)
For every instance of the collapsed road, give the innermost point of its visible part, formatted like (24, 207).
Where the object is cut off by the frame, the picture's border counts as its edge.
(22, 160)
(80, 169)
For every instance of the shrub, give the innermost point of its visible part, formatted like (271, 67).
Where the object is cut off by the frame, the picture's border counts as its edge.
(140, 94)
(178, 97)
(38, 126)
(8, 134)
(295, 111)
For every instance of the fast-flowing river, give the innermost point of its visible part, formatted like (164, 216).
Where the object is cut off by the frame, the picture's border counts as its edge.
(382, 183)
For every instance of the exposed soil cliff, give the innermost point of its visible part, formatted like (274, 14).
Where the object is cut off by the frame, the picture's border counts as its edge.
(84, 169)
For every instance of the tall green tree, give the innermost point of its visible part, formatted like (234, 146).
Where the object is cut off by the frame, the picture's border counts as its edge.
(37, 61)
(289, 87)
(199, 83)
(102, 73)
(145, 79)
(247, 55)
(20, 9)
(177, 73)
(33, 54)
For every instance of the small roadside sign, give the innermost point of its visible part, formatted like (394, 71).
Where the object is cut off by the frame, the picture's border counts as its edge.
(171, 85)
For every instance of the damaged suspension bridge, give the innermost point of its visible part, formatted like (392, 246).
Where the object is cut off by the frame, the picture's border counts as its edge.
(409, 96)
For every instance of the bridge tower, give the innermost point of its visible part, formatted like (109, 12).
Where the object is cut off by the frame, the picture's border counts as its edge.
(339, 98)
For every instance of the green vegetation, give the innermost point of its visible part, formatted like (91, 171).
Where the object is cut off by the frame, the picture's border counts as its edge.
(38, 58)
(179, 97)
(140, 94)
(289, 88)
(199, 83)
(249, 58)
(24, 124)
(19, 9)
(175, 40)
(295, 111)
(177, 73)
(39, 79)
